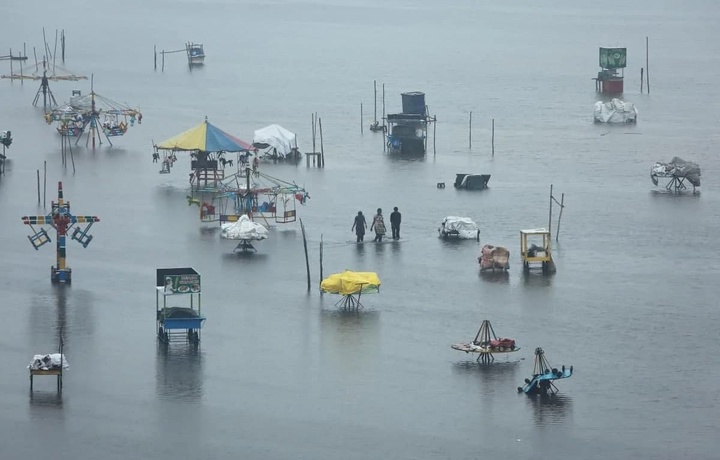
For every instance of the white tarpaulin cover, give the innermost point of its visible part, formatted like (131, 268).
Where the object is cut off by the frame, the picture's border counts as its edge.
(243, 229)
(615, 111)
(462, 227)
(277, 137)
(48, 362)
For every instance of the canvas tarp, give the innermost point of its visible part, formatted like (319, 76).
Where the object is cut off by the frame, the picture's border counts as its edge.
(349, 282)
(615, 111)
(243, 229)
(276, 137)
(462, 227)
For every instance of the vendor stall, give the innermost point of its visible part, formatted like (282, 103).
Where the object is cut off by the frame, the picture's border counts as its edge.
(177, 305)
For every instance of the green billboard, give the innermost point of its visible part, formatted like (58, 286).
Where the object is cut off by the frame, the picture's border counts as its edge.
(613, 58)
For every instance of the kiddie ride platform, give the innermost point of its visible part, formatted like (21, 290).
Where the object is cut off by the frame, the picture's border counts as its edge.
(178, 323)
(543, 376)
(486, 344)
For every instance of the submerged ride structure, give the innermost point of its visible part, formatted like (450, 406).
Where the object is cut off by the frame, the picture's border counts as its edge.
(611, 77)
(676, 172)
(46, 74)
(351, 286)
(544, 376)
(406, 132)
(178, 312)
(94, 115)
(486, 344)
(62, 221)
(532, 253)
(207, 146)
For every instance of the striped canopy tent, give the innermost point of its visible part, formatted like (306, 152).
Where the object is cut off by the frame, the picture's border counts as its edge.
(205, 137)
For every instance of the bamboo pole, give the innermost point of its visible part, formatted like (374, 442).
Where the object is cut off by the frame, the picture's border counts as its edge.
(550, 214)
(307, 261)
(434, 131)
(641, 79)
(361, 119)
(44, 182)
(562, 206)
(470, 131)
(155, 57)
(62, 45)
(321, 262)
(38, 185)
(492, 138)
(321, 162)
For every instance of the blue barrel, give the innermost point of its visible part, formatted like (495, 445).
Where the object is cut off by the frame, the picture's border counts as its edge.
(413, 102)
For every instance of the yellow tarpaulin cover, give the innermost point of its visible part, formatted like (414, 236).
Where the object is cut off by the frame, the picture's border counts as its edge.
(349, 282)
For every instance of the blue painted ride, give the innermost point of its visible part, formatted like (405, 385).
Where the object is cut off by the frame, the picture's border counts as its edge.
(543, 376)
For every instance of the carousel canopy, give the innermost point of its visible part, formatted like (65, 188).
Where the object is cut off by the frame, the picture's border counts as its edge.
(349, 282)
(277, 137)
(205, 137)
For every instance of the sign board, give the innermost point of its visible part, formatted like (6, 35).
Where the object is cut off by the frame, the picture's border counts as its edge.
(178, 281)
(613, 58)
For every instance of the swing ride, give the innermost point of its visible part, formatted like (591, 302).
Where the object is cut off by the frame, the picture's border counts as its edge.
(486, 343)
(45, 75)
(350, 284)
(95, 115)
(175, 323)
(62, 221)
(207, 145)
(543, 376)
(255, 195)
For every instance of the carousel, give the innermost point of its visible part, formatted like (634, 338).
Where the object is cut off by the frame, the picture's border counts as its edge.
(486, 344)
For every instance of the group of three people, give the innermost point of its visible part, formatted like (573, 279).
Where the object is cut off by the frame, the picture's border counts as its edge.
(378, 225)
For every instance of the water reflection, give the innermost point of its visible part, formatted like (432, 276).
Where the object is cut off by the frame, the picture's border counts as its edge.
(498, 276)
(179, 372)
(46, 404)
(350, 337)
(47, 326)
(670, 194)
(209, 233)
(244, 257)
(500, 372)
(549, 409)
(537, 279)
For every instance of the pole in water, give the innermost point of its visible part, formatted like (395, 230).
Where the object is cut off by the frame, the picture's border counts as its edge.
(321, 262)
(470, 131)
(307, 261)
(361, 118)
(642, 77)
(434, 131)
(38, 185)
(550, 214)
(492, 138)
(562, 206)
(375, 101)
(321, 163)
(44, 182)
(62, 44)
(155, 56)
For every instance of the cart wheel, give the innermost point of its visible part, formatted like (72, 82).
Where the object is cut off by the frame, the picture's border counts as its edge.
(196, 337)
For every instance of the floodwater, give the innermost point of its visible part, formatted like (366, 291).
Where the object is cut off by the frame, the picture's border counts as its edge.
(284, 374)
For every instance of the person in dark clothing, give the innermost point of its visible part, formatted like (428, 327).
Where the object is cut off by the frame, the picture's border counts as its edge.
(395, 218)
(359, 226)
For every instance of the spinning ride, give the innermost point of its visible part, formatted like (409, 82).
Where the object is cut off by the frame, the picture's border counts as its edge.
(351, 286)
(62, 221)
(95, 115)
(486, 343)
(543, 376)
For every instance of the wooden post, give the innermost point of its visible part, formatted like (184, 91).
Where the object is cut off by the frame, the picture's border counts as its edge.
(155, 57)
(647, 63)
(562, 206)
(11, 66)
(307, 261)
(361, 119)
(641, 79)
(38, 185)
(434, 131)
(321, 262)
(550, 214)
(44, 182)
(163, 60)
(383, 109)
(492, 138)
(321, 162)
(470, 132)
(62, 44)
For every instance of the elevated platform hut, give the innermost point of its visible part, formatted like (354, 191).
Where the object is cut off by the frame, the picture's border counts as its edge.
(208, 147)
(535, 248)
(610, 79)
(407, 131)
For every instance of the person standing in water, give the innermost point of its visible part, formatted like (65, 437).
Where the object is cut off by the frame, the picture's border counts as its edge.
(395, 218)
(359, 226)
(379, 226)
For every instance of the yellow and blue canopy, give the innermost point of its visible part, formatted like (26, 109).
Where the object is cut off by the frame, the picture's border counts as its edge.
(205, 137)
(349, 282)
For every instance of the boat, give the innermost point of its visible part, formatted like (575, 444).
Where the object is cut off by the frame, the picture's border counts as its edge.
(195, 53)
(472, 181)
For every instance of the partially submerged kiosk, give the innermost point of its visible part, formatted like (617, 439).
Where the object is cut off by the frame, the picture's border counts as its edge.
(177, 305)
(532, 253)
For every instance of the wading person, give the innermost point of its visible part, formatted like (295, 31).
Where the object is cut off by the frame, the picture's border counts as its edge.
(378, 225)
(359, 226)
(395, 218)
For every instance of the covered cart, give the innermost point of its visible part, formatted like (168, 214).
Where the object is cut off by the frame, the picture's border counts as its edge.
(459, 227)
(177, 304)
